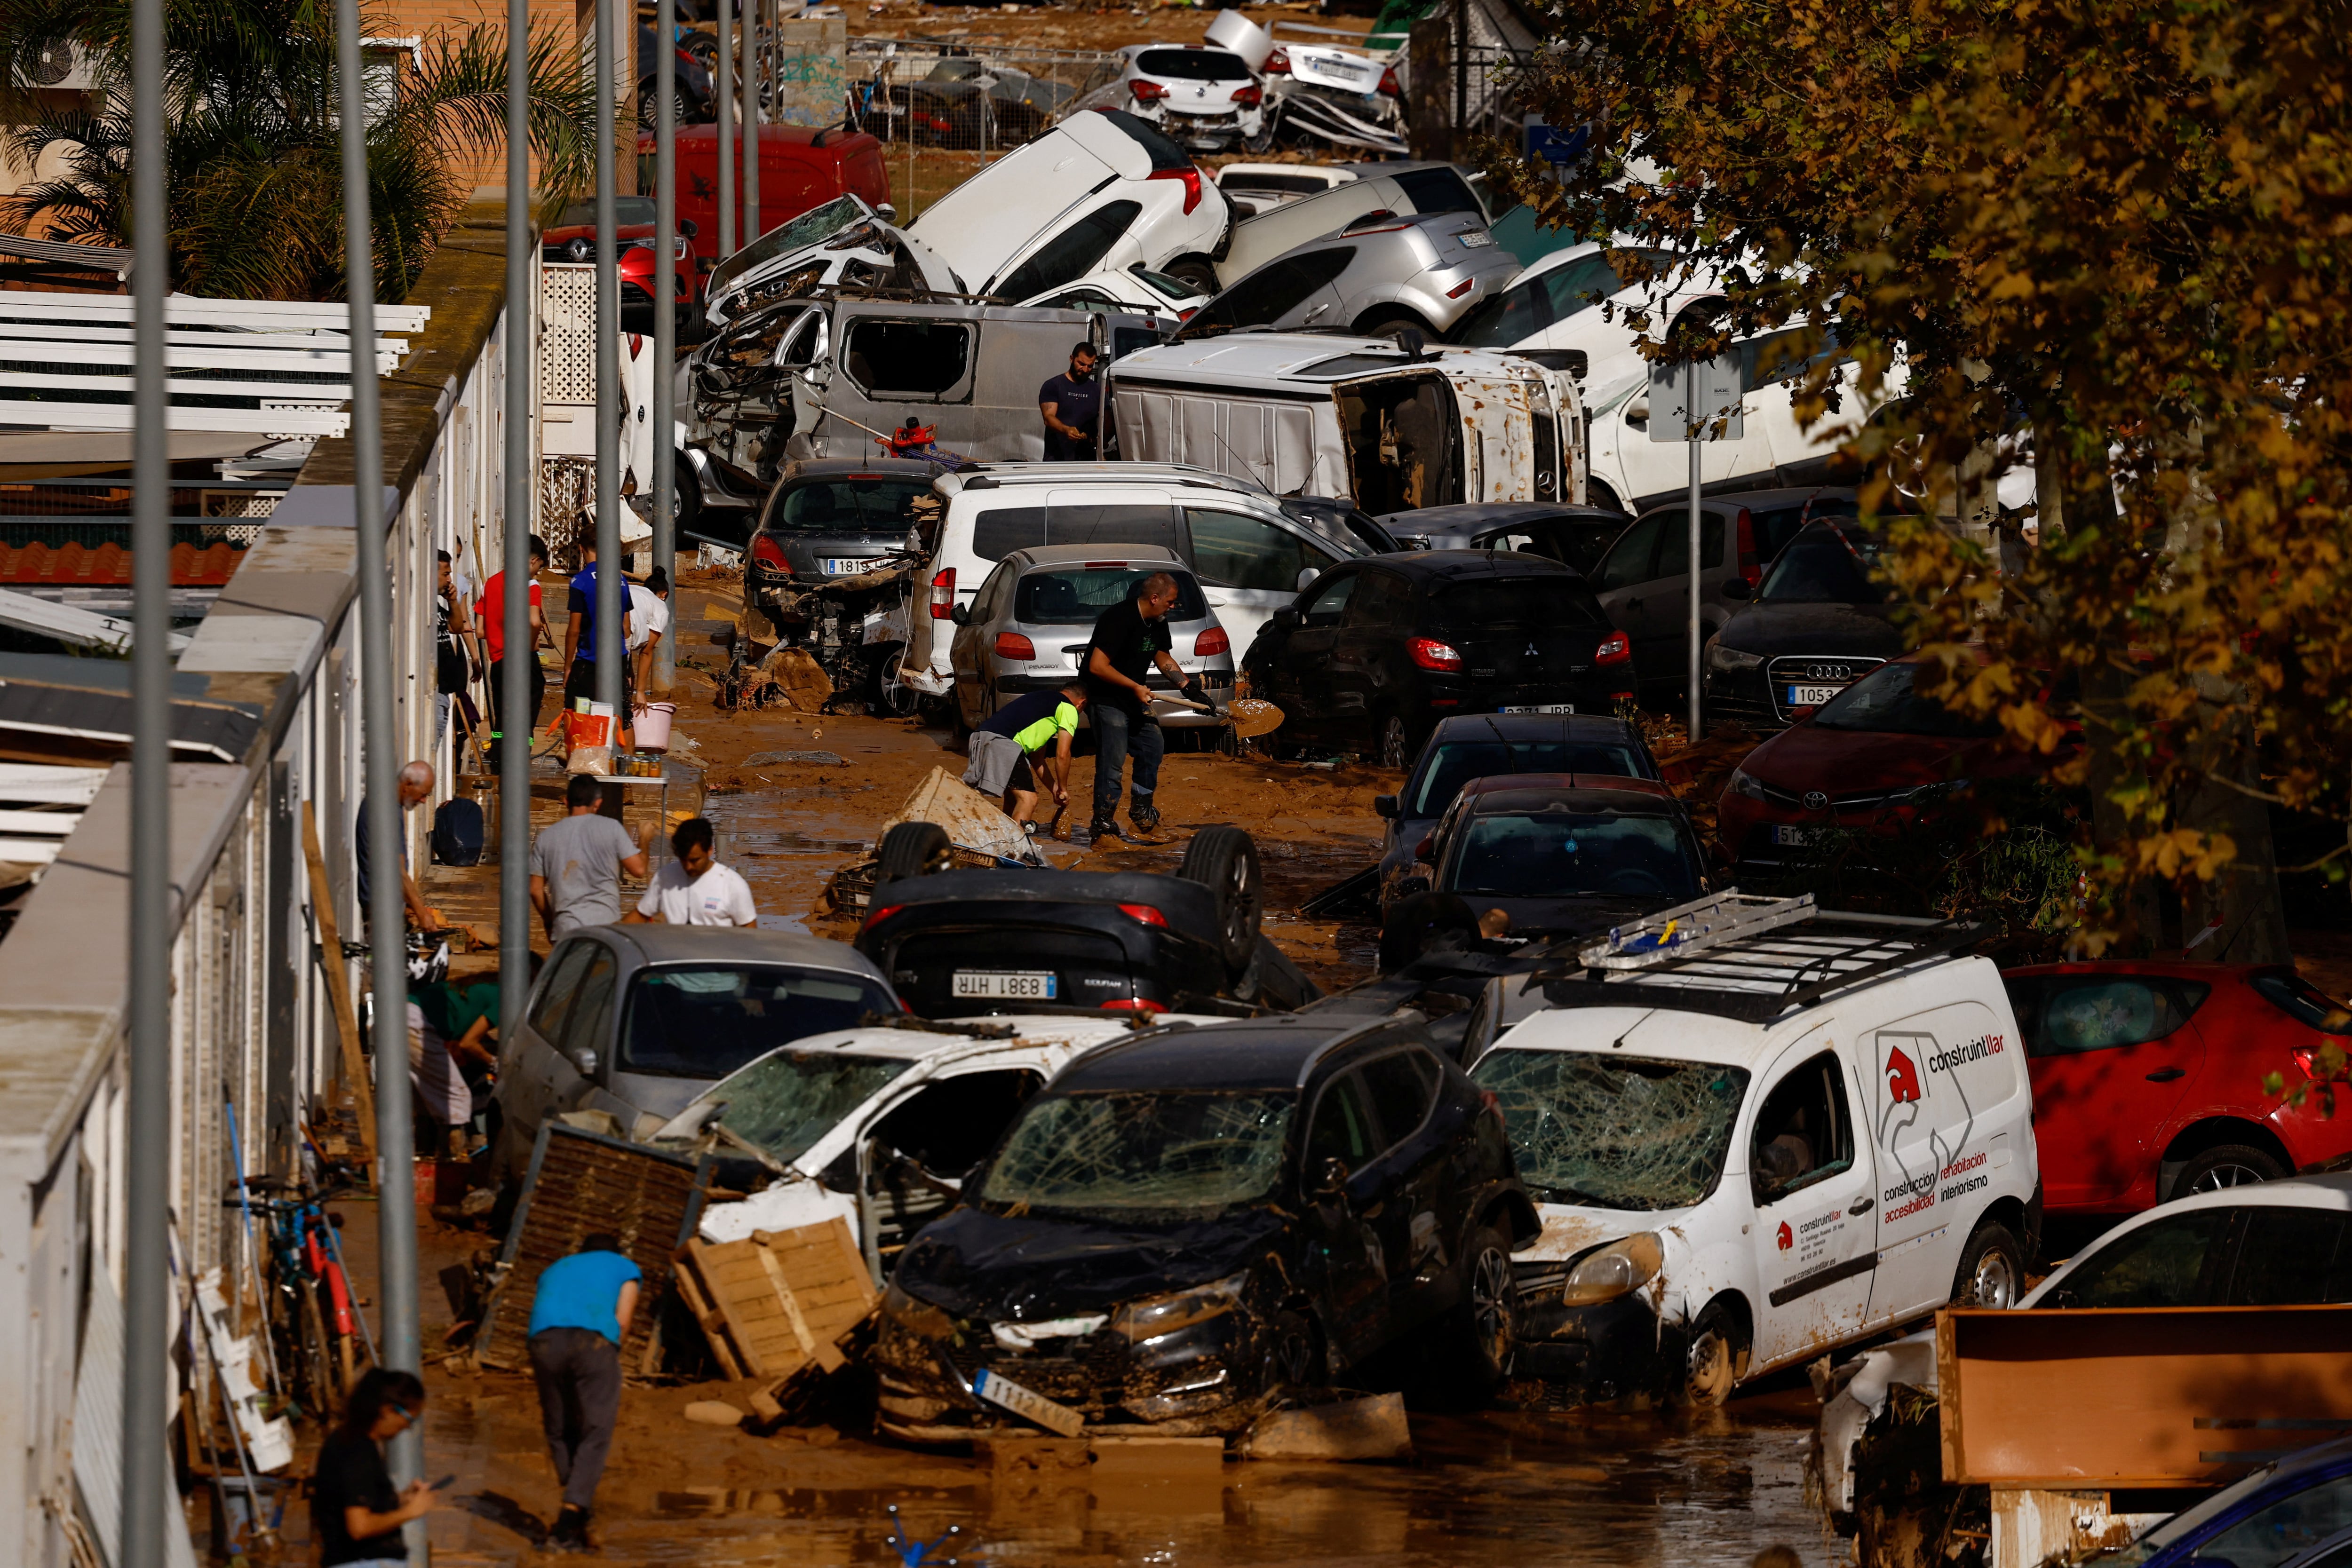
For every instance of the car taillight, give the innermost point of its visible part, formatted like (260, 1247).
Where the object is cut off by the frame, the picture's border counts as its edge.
(1190, 174)
(2313, 1060)
(943, 593)
(1212, 643)
(1461, 288)
(1013, 645)
(1614, 649)
(1187, 313)
(879, 916)
(1277, 64)
(1144, 913)
(770, 554)
(1389, 83)
(1749, 568)
(1431, 655)
(1248, 95)
(1134, 1005)
(1146, 91)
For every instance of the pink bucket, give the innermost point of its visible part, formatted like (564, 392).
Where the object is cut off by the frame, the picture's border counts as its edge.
(652, 725)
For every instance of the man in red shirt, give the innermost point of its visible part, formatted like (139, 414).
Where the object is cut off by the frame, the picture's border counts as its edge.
(494, 628)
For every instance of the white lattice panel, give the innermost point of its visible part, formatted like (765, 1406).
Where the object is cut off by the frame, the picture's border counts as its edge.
(567, 333)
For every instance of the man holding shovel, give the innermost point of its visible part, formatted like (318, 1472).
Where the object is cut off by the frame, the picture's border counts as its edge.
(1129, 639)
(1002, 749)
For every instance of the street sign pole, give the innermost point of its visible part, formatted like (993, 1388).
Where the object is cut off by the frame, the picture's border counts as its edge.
(1694, 433)
(1692, 402)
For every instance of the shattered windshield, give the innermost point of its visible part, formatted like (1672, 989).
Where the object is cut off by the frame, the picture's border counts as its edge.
(807, 229)
(1615, 1132)
(1188, 1152)
(788, 1102)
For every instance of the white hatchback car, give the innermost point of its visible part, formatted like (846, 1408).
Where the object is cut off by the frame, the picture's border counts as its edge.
(1206, 99)
(1169, 302)
(1256, 188)
(1102, 190)
(1783, 1131)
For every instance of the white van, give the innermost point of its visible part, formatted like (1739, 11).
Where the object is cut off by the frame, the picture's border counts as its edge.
(1756, 1131)
(1251, 555)
(1385, 426)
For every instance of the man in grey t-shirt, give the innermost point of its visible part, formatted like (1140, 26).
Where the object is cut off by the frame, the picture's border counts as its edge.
(576, 866)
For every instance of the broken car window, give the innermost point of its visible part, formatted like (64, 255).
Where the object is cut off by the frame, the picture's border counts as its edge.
(707, 1020)
(1134, 1151)
(906, 359)
(807, 229)
(1457, 762)
(1562, 854)
(790, 1099)
(2161, 1264)
(1804, 1131)
(1615, 1132)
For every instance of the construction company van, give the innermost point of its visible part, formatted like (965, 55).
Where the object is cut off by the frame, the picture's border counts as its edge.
(1390, 427)
(1756, 1131)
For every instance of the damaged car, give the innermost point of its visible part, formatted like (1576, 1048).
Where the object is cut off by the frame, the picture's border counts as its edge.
(1379, 276)
(1319, 92)
(1189, 1222)
(845, 244)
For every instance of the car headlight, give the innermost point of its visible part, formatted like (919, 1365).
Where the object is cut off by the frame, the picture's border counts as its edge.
(1730, 661)
(1744, 783)
(1617, 1270)
(1156, 1315)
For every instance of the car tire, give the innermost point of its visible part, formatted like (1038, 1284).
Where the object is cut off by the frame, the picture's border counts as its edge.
(1713, 1358)
(1597, 493)
(1196, 272)
(1482, 1330)
(1992, 1269)
(910, 849)
(1395, 324)
(899, 700)
(1224, 861)
(2226, 1166)
(1395, 747)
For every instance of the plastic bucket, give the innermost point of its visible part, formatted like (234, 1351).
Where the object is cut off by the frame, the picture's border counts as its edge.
(652, 725)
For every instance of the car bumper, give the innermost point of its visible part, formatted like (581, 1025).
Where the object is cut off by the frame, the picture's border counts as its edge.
(1601, 1352)
(1445, 698)
(1098, 957)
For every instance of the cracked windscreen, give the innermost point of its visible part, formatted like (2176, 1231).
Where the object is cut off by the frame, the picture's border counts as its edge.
(786, 1103)
(1177, 1152)
(1615, 1132)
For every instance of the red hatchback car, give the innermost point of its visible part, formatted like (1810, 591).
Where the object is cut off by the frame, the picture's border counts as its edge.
(573, 237)
(2149, 1078)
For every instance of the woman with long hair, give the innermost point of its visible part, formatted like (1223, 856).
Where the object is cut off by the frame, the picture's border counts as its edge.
(355, 1514)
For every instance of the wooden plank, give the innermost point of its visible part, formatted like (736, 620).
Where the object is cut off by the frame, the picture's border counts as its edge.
(117, 416)
(339, 994)
(328, 392)
(738, 1331)
(811, 1350)
(705, 1316)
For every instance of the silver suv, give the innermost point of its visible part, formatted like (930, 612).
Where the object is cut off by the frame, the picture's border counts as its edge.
(1382, 273)
(1028, 628)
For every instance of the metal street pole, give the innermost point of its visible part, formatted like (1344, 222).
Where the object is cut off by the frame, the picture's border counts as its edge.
(515, 718)
(754, 13)
(609, 404)
(148, 1121)
(1696, 428)
(725, 88)
(387, 956)
(665, 336)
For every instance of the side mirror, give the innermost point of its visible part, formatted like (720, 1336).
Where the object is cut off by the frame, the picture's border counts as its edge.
(1577, 363)
(1330, 1178)
(1288, 618)
(1307, 576)
(960, 614)
(1638, 411)
(1384, 805)
(886, 213)
(1427, 851)
(688, 227)
(1737, 588)
(584, 1060)
(972, 1179)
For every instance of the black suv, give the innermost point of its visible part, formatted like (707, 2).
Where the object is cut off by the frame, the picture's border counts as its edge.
(1375, 652)
(1191, 1221)
(835, 516)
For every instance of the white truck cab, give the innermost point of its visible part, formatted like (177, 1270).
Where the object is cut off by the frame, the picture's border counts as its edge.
(1756, 1131)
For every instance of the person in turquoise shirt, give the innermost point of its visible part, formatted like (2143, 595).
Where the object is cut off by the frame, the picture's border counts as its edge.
(578, 1319)
(1002, 748)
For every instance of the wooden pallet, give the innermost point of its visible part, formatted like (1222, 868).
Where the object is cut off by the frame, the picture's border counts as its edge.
(778, 1301)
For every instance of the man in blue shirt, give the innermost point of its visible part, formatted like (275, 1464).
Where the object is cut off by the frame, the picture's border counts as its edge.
(1072, 408)
(580, 633)
(578, 1319)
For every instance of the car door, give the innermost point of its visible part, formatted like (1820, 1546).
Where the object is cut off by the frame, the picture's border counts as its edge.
(1347, 1263)
(1359, 683)
(1621, 581)
(915, 1154)
(972, 651)
(911, 362)
(1250, 567)
(1815, 1243)
(1305, 673)
(1656, 611)
(1418, 1213)
(584, 1053)
(527, 1067)
(2112, 1057)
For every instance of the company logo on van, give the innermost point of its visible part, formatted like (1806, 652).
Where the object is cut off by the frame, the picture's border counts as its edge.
(1902, 1077)
(1786, 1239)
(1976, 1050)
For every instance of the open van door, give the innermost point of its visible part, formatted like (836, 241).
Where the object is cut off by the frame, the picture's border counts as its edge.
(1402, 435)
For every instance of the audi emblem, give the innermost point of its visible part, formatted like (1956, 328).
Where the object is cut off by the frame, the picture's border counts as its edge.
(1826, 673)
(1816, 802)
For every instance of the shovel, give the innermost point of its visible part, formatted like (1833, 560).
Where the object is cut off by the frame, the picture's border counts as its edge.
(1250, 717)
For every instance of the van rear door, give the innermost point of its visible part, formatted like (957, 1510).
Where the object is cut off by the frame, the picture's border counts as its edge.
(1402, 435)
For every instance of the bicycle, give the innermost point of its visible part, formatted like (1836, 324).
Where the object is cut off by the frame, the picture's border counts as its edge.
(314, 1320)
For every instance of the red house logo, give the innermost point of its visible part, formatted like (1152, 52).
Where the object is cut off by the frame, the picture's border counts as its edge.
(1902, 1077)
(1786, 1241)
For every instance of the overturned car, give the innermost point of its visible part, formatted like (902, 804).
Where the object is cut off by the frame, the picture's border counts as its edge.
(1192, 1221)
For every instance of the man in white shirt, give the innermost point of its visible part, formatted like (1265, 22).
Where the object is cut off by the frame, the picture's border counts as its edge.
(695, 889)
(648, 622)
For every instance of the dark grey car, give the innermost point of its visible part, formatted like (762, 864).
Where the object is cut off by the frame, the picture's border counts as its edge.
(1579, 536)
(835, 517)
(637, 1020)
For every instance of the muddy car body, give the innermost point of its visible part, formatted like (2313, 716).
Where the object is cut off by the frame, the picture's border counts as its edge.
(1368, 419)
(1191, 1221)
(1750, 1150)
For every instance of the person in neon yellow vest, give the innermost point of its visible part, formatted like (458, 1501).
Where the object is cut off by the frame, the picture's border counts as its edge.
(1004, 747)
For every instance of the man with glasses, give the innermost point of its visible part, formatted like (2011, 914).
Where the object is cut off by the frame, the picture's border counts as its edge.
(578, 1319)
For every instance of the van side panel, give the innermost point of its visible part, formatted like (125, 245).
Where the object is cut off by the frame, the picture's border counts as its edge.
(1292, 447)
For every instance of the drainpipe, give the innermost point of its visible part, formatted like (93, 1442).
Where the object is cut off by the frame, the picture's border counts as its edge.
(521, 643)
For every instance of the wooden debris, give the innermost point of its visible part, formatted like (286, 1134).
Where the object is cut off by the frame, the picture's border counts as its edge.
(778, 1301)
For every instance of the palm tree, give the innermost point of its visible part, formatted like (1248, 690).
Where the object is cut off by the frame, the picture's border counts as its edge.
(254, 165)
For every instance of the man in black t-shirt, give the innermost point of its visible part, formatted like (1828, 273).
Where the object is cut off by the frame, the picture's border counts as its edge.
(1071, 405)
(1130, 637)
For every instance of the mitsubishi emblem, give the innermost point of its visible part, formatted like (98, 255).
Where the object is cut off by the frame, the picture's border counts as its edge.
(1533, 653)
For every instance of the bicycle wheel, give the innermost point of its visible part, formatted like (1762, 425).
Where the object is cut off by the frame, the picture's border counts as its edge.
(313, 1376)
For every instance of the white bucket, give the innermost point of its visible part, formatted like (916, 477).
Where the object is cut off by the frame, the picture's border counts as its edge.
(652, 725)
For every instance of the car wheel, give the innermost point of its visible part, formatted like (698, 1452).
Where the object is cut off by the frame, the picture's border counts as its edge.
(1224, 861)
(1992, 1269)
(1194, 272)
(1395, 324)
(1396, 747)
(2226, 1166)
(685, 501)
(1713, 1358)
(1482, 1330)
(911, 849)
(899, 700)
(1597, 493)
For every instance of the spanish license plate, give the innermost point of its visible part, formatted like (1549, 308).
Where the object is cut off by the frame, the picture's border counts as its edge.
(1020, 984)
(842, 565)
(1811, 697)
(1541, 707)
(1792, 838)
(1026, 1402)
(1348, 68)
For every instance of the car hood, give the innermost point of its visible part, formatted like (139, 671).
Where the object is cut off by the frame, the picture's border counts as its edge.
(1853, 761)
(1572, 1229)
(992, 1266)
(1585, 915)
(1775, 628)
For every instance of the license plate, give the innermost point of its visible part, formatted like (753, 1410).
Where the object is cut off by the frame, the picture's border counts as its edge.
(1541, 707)
(1811, 697)
(842, 565)
(1028, 1402)
(1024, 985)
(1794, 838)
(1474, 238)
(1348, 68)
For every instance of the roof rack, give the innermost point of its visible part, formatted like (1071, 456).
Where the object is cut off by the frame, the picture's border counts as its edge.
(1748, 957)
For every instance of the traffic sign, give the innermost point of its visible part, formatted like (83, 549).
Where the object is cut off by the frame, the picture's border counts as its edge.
(1716, 402)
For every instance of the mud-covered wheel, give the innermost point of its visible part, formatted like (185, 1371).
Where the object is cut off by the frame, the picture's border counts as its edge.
(1712, 1359)
(911, 849)
(1992, 1269)
(1224, 861)
(1294, 1353)
(899, 700)
(1395, 744)
(316, 1377)
(2223, 1167)
(1482, 1330)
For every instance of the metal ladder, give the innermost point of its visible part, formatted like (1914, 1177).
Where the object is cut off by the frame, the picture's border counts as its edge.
(1703, 922)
